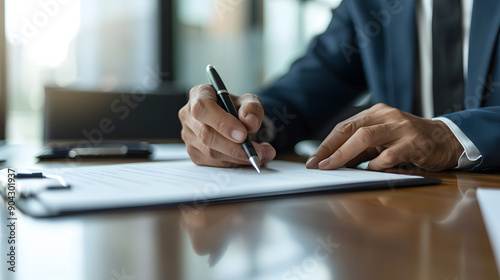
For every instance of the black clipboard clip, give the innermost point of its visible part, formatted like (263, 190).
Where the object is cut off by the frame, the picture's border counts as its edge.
(30, 184)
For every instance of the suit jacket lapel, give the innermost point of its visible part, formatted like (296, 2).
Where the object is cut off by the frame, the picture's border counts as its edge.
(401, 45)
(484, 29)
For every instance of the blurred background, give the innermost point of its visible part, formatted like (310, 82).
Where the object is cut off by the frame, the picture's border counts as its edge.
(140, 46)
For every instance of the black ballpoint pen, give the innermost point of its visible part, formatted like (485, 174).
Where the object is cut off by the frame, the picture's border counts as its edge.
(221, 90)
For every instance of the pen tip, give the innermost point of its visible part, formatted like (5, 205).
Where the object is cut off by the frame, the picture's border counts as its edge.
(255, 163)
(209, 66)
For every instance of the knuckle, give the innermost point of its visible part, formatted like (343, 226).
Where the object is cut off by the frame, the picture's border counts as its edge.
(190, 150)
(393, 112)
(345, 127)
(235, 151)
(248, 96)
(197, 89)
(221, 123)
(365, 134)
(254, 108)
(182, 113)
(206, 135)
(251, 103)
(379, 106)
(184, 135)
(251, 97)
(197, 160)
(197, 107)
(194, 90)
(340, 153)
(211, 153)
(406, 124)
(193, 155)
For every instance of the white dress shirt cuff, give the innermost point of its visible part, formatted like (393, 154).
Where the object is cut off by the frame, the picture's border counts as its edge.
(471, 153)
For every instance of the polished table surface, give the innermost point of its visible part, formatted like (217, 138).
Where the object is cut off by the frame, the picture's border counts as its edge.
(431, 232)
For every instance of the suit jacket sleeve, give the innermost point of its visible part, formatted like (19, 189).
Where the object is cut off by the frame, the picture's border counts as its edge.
(482, 126)
(321, 83)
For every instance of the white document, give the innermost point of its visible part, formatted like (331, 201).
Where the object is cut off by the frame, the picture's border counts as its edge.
(489, 202)
(154, 183)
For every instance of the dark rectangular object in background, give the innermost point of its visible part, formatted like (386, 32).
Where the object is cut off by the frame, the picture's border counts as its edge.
(97, 116)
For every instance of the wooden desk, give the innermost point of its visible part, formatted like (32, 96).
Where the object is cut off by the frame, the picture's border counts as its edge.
(433, 232)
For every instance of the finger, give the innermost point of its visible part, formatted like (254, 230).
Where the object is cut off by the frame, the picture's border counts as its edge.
(268, 152)
(380, 149)
(362, 139)
(216, 149)
(335, 139)
(366, 155)
(213, 140)
(205, 109)
(377, 114)
(228, 151)
(250, 112)
(199, 158)
(212, 157)
(342, 131)
(390, 157)
(210, 138)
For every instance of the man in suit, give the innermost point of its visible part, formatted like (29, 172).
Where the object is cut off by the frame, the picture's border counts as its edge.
(436, 59)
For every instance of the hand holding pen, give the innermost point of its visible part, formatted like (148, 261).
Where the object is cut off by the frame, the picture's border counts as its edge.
(214, 137)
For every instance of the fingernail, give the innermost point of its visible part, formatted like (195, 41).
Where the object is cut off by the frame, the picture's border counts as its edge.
(252, 119)
(323, 163)
(312, 162)
(238, 135)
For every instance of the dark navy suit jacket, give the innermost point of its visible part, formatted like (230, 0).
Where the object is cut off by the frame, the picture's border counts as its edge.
(371, 45)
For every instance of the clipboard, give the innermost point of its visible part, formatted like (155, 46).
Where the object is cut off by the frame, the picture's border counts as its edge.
(182, 183)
